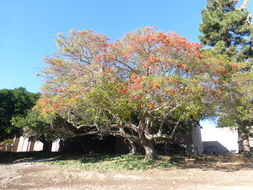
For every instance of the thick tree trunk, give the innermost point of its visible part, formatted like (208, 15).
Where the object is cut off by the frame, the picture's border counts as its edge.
(150, 152)
(244, 145)
(15, 144)
(61, 146)
(132, 147)
(47, 146)
(32, 145)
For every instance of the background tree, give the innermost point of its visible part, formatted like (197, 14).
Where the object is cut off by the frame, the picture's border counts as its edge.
(43, 129)
(13, 103)
(142, 87)
(227, 28)
(236, 109)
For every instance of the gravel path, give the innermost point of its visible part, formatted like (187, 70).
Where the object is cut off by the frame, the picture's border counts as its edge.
(31, 176)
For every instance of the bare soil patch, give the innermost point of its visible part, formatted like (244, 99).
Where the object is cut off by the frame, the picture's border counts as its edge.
(194, 173)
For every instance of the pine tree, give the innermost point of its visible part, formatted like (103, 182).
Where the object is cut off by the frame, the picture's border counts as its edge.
(228, 29)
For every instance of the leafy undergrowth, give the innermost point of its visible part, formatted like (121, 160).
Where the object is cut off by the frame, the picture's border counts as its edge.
(115, 162)
(6, 141)
(98, 162)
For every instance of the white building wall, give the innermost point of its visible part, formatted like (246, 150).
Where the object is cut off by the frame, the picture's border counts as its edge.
(20, 144)
(56, 146)
(251, 142)
(24, 145)
(38, 146)
(219, 140)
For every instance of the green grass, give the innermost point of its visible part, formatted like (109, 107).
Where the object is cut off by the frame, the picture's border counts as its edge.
(114, 162)
(6, 141)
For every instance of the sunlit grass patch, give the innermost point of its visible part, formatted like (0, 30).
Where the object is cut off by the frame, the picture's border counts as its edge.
(115, 162)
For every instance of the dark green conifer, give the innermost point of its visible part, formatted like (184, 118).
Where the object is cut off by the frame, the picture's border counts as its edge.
(228, 29)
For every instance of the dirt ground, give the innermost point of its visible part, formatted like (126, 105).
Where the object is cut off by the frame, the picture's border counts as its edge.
(225, 174)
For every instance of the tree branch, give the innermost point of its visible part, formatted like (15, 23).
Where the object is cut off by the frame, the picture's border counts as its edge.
(125, 64)
(174, 129)
(87, 133)
(72, 123)
(129, 126)
(248, 19)
(126, 136)
(244, 5)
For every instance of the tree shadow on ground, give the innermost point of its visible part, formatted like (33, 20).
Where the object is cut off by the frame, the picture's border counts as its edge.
(17, 157)
(229, 163)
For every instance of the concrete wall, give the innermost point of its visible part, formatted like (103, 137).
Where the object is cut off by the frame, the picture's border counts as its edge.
(38, 146)
(24, 145)
(219, 140)
(56, 146)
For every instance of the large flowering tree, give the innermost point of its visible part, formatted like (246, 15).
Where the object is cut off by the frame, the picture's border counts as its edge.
(140, 87)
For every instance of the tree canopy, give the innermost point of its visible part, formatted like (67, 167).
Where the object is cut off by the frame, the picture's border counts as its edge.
(141, 87)
(14, 103)
(228, 29)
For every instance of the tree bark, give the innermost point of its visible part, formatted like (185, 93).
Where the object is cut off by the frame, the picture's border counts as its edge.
(150, 151)
(47, 146)
(132, 147)
(244, 5)
(32, 146)
(15, 144)
(244, 145)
